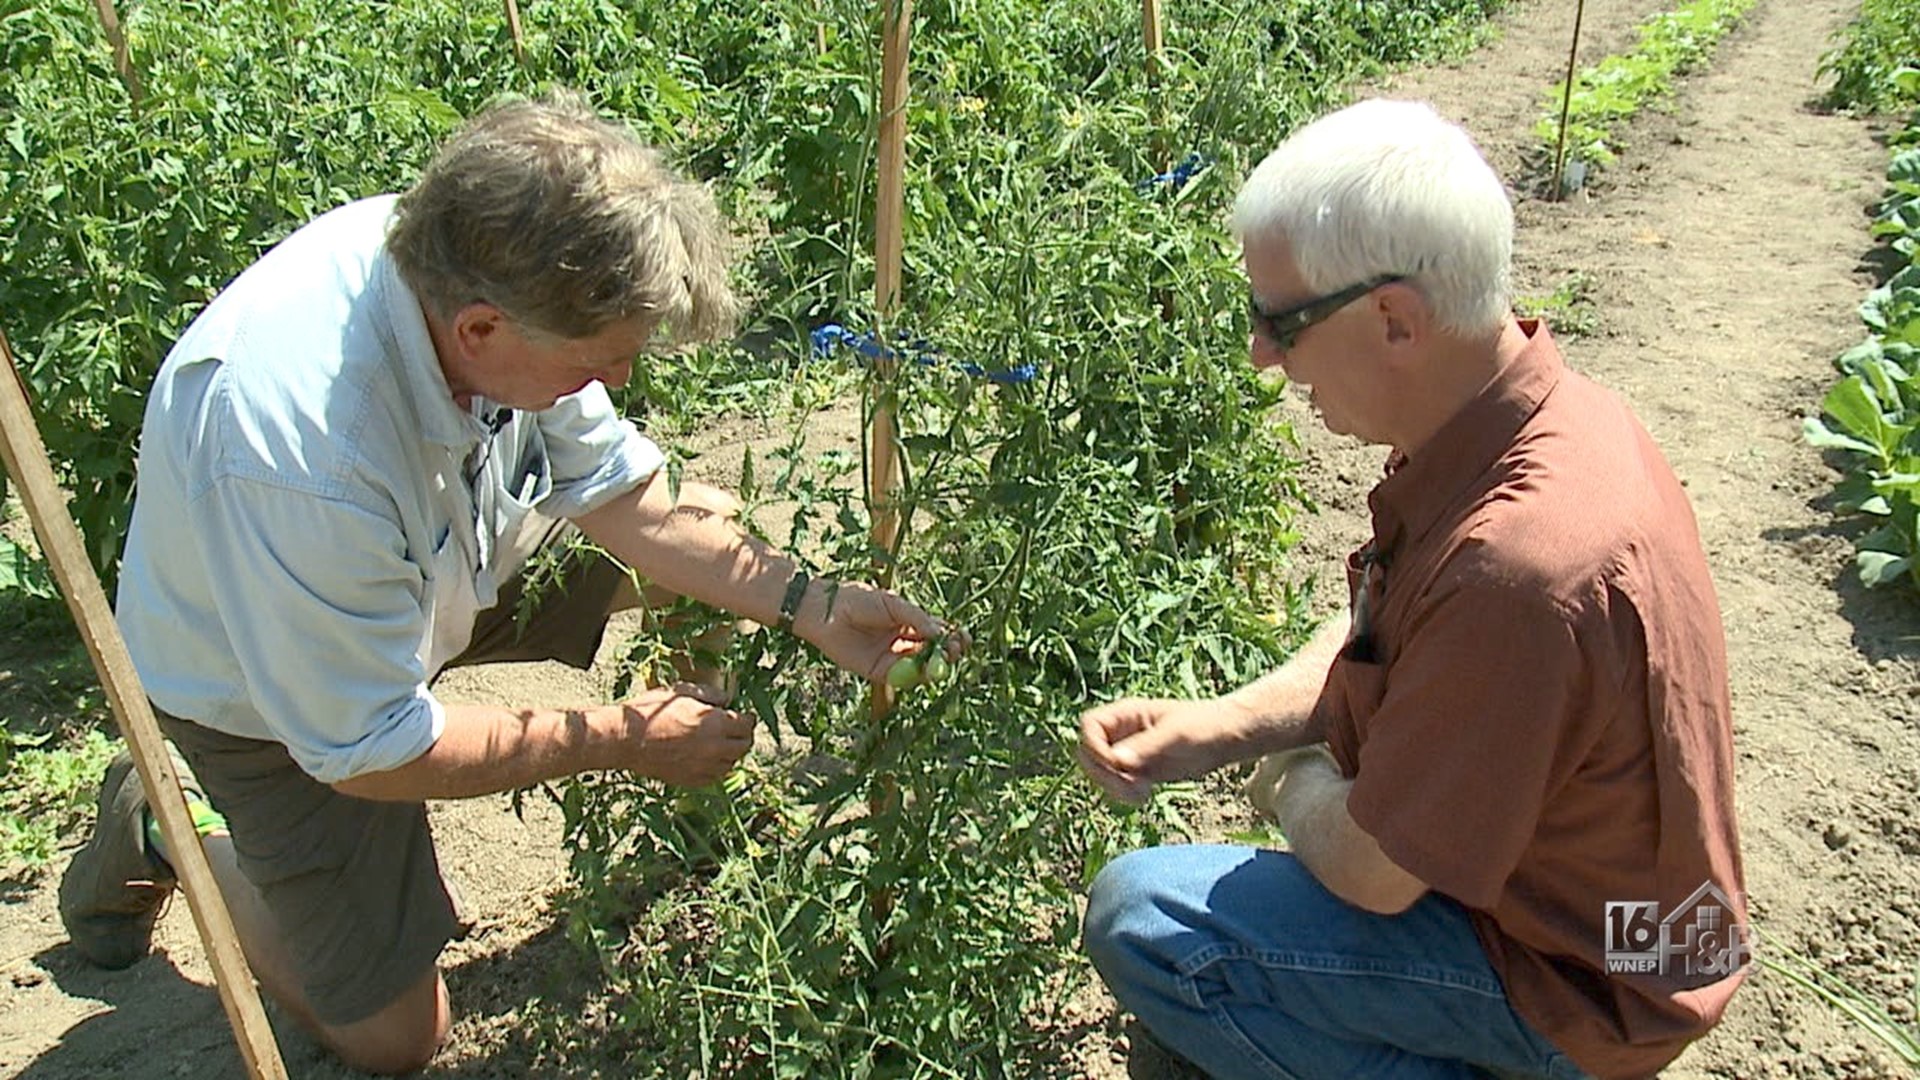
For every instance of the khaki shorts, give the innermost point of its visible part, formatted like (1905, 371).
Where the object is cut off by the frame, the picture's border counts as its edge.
(354, 884)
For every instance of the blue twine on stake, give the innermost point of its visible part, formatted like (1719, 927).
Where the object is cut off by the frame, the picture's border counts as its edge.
(1176, 177)
(833, 335)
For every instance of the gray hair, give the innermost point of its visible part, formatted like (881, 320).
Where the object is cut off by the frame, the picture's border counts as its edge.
(1389, 187)
(566, 223)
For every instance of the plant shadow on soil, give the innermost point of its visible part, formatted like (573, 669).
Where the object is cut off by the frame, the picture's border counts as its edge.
(1883, 619)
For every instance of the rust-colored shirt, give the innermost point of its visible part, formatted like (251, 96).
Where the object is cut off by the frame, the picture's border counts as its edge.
(1535, 713)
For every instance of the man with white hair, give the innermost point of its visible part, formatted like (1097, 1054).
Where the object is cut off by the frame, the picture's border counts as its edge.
(1506, 775)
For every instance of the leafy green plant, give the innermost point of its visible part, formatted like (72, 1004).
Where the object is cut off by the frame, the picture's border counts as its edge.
(1882, 39)
(1609, 92)
(46, 791)
(1568, 308)
(1872, 414)
(19, 572)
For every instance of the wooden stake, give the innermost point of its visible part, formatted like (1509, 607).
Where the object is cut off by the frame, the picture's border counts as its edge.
(1150, 19)
(1566, 106)
(26, 460)
(883, 440)
(122, 57)
(513, 27)
(888, 242)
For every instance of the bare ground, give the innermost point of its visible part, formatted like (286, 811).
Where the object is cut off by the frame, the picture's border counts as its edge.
(1723, 258)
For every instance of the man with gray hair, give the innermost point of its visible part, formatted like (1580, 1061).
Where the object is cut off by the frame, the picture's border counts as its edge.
(348, 460)
(1506, 775)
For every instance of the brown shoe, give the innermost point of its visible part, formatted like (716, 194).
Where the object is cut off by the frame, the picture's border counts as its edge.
(113, 891)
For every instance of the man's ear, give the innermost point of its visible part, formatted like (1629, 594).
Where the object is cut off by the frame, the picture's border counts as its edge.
(1404, 312)
(478, 326)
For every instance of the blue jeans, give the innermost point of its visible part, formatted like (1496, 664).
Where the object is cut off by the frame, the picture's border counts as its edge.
(1242, 962)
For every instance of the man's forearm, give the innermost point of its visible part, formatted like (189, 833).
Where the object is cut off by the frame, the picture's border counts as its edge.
(487, 748)
(1311, 810)
(699, 553)
(1281, 702)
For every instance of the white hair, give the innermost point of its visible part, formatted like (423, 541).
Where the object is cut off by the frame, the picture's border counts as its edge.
(1388, 187)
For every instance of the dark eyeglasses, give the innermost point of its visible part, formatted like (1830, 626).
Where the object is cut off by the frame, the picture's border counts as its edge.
(1284, 327)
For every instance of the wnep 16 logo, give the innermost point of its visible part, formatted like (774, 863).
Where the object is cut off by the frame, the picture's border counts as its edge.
(1698, 939)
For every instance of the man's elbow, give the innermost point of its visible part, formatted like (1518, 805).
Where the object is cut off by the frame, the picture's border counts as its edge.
(383, 786)
(1382, 889)
(364, 786)
(1388, 899)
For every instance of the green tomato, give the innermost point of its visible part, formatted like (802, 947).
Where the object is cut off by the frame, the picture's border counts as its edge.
(938, 668)
(904, 673)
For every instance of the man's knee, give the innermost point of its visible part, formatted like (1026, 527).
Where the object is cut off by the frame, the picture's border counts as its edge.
(1121, 893)
(400, 1038)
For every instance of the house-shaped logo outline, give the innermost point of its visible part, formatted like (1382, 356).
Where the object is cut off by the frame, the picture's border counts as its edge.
(1739, 940)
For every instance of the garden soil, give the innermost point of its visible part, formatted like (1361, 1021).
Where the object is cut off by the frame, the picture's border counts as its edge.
(1722, 259)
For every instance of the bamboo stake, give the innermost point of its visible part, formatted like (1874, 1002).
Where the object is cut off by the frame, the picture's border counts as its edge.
(122, 57)
(888, 242)
(1566, 106)
(26, 459)
(1150, 18)
(513, 27)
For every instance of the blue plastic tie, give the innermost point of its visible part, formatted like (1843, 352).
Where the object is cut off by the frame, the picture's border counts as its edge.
(831, 336)
(1176, 177)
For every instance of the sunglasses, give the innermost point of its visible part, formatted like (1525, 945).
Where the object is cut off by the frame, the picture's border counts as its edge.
(1284, 327)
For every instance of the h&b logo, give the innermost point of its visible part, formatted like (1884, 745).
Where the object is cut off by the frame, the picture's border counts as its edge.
(1698, 938)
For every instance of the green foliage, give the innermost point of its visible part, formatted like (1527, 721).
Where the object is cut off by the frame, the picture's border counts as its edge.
(46, 794)
(1609, 92)
(123, 221)
(51, 751)
(1873, 414)
(1880, 42)
(1568, 309)
(21, 573)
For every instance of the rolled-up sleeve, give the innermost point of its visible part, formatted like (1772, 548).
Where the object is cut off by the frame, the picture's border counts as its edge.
(328, 647)
(595, 454)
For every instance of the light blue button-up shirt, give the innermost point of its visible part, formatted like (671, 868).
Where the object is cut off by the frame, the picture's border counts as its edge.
(317, 523)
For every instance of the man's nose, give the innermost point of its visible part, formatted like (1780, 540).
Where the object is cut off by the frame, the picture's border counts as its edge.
(1264, 353)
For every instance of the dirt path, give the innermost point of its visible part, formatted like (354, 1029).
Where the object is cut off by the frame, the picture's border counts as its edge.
(1738, 222)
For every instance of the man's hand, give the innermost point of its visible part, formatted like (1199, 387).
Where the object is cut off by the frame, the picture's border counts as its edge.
(1282, 774)
(1305, 794)
(685, 735)
(1134, 743)
(865, 629)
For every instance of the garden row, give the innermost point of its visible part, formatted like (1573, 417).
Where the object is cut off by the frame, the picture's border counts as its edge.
(1872, 414)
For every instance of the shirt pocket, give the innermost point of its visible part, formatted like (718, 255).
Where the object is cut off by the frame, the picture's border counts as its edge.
(530, 481)
(518, 522)
(450, 605)
(1355, 689)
